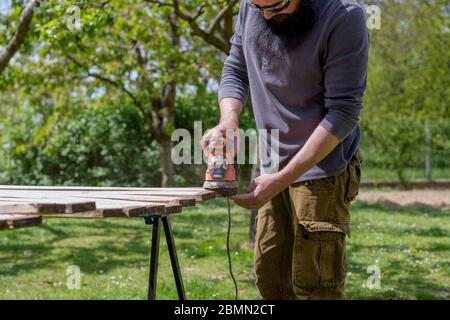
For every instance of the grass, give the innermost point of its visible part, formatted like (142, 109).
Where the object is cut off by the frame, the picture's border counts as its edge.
(377, 173)
(410, 248)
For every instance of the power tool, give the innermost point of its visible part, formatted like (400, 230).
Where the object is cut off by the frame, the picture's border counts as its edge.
(221, 172)
(221, 177)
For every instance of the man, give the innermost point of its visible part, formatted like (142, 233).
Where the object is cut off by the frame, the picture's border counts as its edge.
(305, 65)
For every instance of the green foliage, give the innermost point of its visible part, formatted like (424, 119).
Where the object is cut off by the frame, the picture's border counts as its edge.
(202, 106)
(408, 86)
(89, 147)
(60, 125)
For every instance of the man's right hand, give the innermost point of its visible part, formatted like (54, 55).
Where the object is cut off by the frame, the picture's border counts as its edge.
(230, 109)
(220, 132)
(216, 133)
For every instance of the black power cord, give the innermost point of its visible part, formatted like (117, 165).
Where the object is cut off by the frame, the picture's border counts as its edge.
(236, 290)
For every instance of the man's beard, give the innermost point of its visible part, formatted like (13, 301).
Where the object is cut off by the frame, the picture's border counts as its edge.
(283, 32)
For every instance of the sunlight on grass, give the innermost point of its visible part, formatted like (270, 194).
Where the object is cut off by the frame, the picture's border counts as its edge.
(410, 248)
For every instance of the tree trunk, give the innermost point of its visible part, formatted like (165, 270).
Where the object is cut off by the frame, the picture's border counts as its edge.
(166, 112)
(167, 168)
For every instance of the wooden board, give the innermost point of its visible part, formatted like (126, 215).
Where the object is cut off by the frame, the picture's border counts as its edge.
(15, 221)
(81, 202)
(93, 195)
(104, 208)
(199, 194)
(123, 212)
(44, 206)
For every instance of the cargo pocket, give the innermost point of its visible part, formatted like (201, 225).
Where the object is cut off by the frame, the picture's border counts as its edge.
(312, 200)
(354, 177)
(316, 204)
(319, 259)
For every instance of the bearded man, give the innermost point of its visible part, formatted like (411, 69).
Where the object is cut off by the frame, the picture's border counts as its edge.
(304, 63)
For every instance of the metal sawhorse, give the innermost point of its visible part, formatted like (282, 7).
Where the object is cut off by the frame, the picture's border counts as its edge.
(154, 255)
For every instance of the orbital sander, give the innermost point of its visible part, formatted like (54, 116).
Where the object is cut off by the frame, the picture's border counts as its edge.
(221, 177)
(221, 172)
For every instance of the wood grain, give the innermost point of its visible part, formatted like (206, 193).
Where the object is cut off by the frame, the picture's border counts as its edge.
(92, 202)
(200, 194)
(37, 205)
(92, 195)
(15, 221)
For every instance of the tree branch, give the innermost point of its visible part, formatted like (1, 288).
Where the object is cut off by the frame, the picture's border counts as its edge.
(146, 84)
(20, 35)
(120, 86)
(210, 35)
(222, 15)
(103, 78)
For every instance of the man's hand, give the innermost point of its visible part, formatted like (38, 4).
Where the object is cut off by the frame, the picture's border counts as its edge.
(261, 190)
(230, 109)
(215, 133)
(266, 187)
(219, 132)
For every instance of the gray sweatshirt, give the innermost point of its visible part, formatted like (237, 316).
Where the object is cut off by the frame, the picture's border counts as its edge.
(320, 82)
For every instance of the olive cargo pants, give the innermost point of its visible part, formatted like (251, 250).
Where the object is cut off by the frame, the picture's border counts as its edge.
(300, 250)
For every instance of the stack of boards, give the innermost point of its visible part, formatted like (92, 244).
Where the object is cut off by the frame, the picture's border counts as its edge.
(24, 206)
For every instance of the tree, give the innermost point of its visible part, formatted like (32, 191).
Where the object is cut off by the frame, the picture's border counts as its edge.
(19, 36)
(128, 48)
(218, 19)
(408, 82)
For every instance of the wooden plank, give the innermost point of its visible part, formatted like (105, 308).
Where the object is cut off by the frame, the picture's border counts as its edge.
(17, 207)
(185, 202)
(45, 206)
(143, 197)
(200, 194)
(124, 212)
(130, 208)
(172, 208)
(103, 208)
(15, 221)
(50, 205)
(166, 194)
(139, 209)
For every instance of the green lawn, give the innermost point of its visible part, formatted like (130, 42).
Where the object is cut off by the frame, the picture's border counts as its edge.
(411, 249)
(376, 173)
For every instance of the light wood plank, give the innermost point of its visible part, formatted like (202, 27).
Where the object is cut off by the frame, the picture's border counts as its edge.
(200, 194)
(144, 197)
(185, 202)
(103, 208)
(37, 205)
(80, 202)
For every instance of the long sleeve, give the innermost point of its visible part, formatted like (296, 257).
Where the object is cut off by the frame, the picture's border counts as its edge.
(345, 72)
(234, 79)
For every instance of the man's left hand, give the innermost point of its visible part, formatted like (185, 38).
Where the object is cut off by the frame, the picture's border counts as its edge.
(261, 190)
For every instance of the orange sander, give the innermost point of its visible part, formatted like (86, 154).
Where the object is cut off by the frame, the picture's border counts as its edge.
(221, 173)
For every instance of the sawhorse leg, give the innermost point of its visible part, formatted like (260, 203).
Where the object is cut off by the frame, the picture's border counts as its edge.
(155, 220)
(154, 255)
